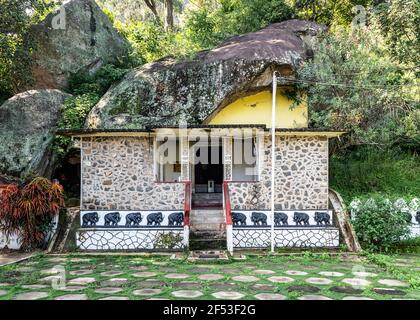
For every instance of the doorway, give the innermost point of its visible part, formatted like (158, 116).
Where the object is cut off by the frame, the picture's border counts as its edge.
(208, 169)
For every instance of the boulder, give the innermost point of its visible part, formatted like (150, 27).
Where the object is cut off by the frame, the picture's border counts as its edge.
(163, 92)
(27, 124)
(76, 37)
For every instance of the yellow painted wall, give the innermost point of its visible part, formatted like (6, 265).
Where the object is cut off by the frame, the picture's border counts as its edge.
(256, 109)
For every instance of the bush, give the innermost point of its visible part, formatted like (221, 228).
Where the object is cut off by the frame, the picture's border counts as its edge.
(370, 172)
(379, 224)
(27, 211)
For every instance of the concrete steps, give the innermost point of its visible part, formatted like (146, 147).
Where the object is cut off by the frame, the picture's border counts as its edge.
(207, 200)
(207, 230)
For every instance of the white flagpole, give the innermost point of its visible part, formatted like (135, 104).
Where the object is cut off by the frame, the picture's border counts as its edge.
(273, 155)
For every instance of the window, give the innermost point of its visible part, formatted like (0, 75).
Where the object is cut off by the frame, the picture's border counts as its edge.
(244, 159)
(167, 160)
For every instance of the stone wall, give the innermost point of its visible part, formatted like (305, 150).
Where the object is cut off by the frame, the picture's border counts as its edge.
(293, 237)
(117, 174)
(301, 176)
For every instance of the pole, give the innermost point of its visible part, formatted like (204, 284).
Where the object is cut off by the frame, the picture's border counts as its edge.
(273, 155)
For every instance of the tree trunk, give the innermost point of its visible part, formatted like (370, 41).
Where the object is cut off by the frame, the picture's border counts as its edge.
(151, 4)
(169, 14)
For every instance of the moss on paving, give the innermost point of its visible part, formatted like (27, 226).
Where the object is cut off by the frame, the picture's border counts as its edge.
(310, 263)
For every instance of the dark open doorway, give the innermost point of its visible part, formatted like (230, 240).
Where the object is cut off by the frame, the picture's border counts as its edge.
(208, 176)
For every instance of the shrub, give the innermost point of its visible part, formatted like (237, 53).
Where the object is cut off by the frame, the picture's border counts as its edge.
(27, 211)
(379, 223)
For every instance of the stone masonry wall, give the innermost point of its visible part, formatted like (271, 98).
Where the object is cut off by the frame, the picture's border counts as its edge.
(117, 174)
(301, 176)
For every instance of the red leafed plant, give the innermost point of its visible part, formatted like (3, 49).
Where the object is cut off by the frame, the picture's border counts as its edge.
(27, 211)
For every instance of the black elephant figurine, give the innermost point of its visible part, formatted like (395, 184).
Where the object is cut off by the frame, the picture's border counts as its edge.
(280, 218)
(112, 219)
(301, 218)
(154, 218)
(322, 218)
(238, 218)
(259, 219)
(133, 219)
(90, 219)
(176, 219)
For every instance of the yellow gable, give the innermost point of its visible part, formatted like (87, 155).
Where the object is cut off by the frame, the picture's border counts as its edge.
(256, 109)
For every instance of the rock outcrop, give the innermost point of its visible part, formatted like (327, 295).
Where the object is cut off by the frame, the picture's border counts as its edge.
(76, 37)
(27, 124)
(163, 92)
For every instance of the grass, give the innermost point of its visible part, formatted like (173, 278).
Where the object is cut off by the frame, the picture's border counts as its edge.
(365, 173)
(310, 263)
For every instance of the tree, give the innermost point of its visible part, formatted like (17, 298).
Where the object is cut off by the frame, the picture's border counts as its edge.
(208, 25)
(354, 84)
(16, 43)
(169, 14)
(399, 23)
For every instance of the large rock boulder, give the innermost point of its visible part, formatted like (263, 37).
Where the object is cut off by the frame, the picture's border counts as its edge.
(78, 36)
(27, 124)
(162, 92)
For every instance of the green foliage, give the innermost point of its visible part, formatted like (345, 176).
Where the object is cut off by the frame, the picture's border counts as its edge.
(87, 90)
(379, 224)
(98, 83)
(399, 23)
(328, 12)
(16, 43)
(151, 42)
(206, 27)
(365, 171)
(168, 240)
(353, 84)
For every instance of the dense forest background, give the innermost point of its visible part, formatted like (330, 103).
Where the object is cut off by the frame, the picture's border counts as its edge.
(364, 76)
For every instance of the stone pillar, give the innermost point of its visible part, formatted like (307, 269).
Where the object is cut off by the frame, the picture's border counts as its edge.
(185, 157)
(227, 157)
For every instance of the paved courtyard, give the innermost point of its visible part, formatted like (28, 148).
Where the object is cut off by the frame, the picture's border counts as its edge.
(135, 277)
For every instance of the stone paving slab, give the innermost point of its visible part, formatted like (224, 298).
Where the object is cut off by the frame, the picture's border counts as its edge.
(187, 294)
(356, 282)
(389, 291)
(177, 276)
(270, 296)
(108, 290)
(210, 277)
(313, 297)
(295, 273)
(303, 288)
(346, 289)
(34, 295)
(245, 278)
(114, 282)
(393, 283)
(80, 272)
(319, 281)
(34, 286)
(356, 298)
(72, 288)
(144, 274)
(72, 297)
(82, 280)
(115, 298)
(331, 274)
(13, 257)
(228, 295)
(281, 279)
(147, 292)
(263, 271)
(111, 273)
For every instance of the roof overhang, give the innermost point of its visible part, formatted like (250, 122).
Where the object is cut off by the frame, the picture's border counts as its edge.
(196, 129)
